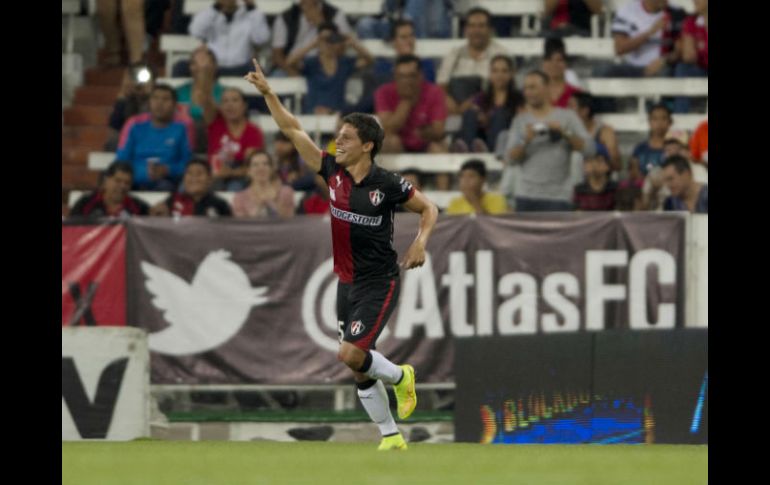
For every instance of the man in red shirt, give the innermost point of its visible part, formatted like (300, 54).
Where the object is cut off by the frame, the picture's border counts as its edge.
(695, 50)
(112, 199)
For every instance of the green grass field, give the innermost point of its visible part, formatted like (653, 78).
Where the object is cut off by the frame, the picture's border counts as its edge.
(314, 463)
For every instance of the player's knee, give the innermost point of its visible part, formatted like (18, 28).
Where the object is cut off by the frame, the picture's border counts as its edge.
(351, 356)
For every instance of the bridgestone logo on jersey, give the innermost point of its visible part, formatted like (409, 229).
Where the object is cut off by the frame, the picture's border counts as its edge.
(356, 218)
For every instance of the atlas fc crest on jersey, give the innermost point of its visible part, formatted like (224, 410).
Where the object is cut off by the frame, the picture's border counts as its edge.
(356, 327)
(376, 197)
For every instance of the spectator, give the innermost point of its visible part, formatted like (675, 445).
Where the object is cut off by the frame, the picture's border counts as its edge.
(492, 110)
(584, 105)
(317, 201)
(686, 193)
(132, 18)
(464, 70)
(230, 31)
(404, 41)
(414, 177)
(231, 139)
(695, 50)
(654, 191)
(266, 196)
(432, 19)
(555, 65)
(328, 72)
(474, 199)
(541, 141)
(297, 27)
(699, 143)
(291, 168)
(597, 191)
(196, 198)
(637, 31)
(571, 17)
(203, 93)
(412, 112)
(649, 153)
(111, 199)
(158, 148)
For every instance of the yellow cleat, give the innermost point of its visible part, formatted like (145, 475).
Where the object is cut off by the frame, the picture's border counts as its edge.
(395, 442)
(406, 396)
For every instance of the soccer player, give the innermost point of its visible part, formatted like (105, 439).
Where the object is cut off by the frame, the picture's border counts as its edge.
(363, 197)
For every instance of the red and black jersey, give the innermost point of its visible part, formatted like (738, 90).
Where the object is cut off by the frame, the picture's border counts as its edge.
(92, 206)
(362, 220)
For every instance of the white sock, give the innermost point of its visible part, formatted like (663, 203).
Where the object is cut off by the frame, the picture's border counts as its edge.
(375, 401)
(383, 369)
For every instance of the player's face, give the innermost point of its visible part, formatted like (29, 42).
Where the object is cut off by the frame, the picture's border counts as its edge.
(116, 187)
(196, 180)
(349, 146)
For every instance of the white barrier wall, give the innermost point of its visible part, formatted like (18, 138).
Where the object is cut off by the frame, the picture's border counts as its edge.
(697, 282)
(105, 383)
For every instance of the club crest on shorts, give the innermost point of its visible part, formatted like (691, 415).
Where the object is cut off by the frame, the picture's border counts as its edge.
(356, 327)
(376, 197)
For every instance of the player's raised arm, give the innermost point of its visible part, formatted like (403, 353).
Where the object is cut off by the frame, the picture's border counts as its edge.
(287, 123)
(415, 255)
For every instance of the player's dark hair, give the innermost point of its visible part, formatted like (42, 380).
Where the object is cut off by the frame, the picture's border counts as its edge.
(476, 165)
(680, 164)
(368, 129)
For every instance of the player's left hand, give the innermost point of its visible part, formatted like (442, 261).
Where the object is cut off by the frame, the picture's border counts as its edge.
(415, 256)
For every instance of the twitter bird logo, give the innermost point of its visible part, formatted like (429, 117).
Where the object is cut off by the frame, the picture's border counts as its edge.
(206, 313)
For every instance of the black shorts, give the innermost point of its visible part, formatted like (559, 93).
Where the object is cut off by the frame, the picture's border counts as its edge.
(363, 309)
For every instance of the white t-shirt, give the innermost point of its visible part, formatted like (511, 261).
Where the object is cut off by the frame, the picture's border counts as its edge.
(306, 33)
(632, 19)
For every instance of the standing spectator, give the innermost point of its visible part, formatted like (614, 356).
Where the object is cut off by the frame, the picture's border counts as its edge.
(412, 111)
(686, 193)
(465, 69)
(555, 65)
(291, 168)
(111, 199)
(695, 50)
(432, 19)
(597, 191)
(230, 31)
(492, 110)
(584, 105)
(132, 18)
(699, 143)
(541, 141)
(158, 148)
(196, 198)
(571, 17)
(203, 93)
(297, 27)
(649, 153)
(266, 196)
(637, 31)
(328, 72)
(231, 138)
(474, 199)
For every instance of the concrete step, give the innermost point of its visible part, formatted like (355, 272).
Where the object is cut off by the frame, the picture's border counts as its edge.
(78, 178)
(87, 115)
(96, 95)
(86, 135)
(112, 76)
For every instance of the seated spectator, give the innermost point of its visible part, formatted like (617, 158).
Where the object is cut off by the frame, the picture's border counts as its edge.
(203, 93)
(474, 199)
(492, 110)
(432, 19)
(266, 196)
(465, 69)
(649, 153)
(597, 191)
(628, 196)
(158, 148)
(297, 27)
(695, 50)
(231, 138)
(230, 31)
(541, 141)
(328, 72)
(699, 143)
(654, 191)
(571, 17)
(291, 168)
(317, 201)
(584, 105)
(412, 112)
(637, 31)
(686, 194)
(196, 198)
(111, 199)
(555, 65)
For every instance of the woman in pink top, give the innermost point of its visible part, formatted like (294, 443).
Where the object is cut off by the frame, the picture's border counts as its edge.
(266, 196)
(231, 139)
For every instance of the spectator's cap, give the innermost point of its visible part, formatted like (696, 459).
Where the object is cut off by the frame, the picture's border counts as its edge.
(679, 136)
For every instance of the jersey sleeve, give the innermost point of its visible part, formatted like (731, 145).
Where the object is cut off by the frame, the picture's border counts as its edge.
(328, 165)
(397, 189)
